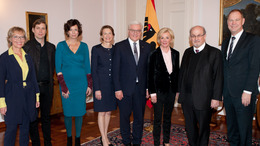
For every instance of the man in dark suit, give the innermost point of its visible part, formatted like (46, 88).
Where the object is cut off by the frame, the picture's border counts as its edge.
(129, 70)
(241, 71)
(43, 55)
(200, 86)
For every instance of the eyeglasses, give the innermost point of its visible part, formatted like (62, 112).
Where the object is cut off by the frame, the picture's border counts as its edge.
(19, 37)
(135, 31)
(196, 36)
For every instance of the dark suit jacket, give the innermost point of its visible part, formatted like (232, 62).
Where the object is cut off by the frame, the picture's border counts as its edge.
(208, 77)
(18, 99)
(33, 48)
(125, 70)
(159, 80)
(242, 70)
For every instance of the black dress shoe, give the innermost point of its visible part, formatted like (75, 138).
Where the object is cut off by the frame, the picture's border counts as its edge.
(136, 145)
(110, 145)
(129, 144)
(165, 143)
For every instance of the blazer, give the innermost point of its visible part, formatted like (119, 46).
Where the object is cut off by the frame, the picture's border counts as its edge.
(208, 77)
(159, 79)
(101, 68)
(18, 99)
(33, 48)
(242, 70)
(125, 70)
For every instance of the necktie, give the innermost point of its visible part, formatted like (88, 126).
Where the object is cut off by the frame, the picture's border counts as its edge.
(197, 51)
(231, 48)
(135, 53)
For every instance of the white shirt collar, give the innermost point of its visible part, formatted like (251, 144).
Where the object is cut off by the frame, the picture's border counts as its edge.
(132, 42)
(200, 48)
(238, 35)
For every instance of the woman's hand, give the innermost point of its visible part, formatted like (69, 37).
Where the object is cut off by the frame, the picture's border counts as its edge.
(98, 95)
(3, 110)
(65, 95)
(88, 92)
(37, 104)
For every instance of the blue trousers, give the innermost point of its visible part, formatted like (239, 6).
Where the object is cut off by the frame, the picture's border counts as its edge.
(11, 130)
(134, 103)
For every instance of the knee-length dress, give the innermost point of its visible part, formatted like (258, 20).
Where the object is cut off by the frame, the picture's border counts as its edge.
(101, 71)
(74, 68)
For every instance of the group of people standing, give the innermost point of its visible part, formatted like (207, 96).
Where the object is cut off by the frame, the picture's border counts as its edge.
(126, 75)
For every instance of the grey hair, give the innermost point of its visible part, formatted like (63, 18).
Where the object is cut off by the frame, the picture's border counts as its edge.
(134, 23)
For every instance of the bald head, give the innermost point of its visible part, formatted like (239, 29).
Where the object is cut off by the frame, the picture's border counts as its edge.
(198, 27)
(197, 36)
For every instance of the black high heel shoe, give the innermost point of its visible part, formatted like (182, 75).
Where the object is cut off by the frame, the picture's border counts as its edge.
(101, 140)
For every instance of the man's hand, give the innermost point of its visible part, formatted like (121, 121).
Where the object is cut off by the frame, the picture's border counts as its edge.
(119, 94)
(246, 99)
(214, 103)
(154, 98)
(177, 95)
(147, 94)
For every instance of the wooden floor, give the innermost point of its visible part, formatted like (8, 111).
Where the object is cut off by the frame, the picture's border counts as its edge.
(90, 128)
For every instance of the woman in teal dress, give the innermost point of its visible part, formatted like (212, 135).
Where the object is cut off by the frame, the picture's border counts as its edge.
(73, 72)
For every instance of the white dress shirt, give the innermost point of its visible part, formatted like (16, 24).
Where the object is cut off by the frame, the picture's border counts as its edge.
(137, 46)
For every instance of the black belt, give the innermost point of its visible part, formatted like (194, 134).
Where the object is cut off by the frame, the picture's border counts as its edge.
(43, 83)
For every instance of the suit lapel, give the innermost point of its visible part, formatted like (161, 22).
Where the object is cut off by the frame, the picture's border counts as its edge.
(142, 51)
(161, 59)
(173, 59)
(238, 46)
(129, 51)
(225, 48)
(16, 66)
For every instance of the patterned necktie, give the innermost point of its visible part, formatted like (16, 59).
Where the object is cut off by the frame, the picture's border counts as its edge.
(231, 48)
(197, 51)
(135, 53)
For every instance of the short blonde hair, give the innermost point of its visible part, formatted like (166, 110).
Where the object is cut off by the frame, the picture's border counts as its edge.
(165, 30)
(11, 32)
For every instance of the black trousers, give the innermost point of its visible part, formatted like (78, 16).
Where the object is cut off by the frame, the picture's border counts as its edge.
(239, 120)
(196, 123)
(164, 105)
(45, 107)
(132, 103)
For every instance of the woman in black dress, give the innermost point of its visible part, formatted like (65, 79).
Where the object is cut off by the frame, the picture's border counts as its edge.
(101, 69)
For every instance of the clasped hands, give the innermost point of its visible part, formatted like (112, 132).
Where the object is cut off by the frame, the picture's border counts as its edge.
(66, 95)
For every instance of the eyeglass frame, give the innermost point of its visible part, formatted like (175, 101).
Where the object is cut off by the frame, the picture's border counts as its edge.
(196, 36)
(18, 37)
